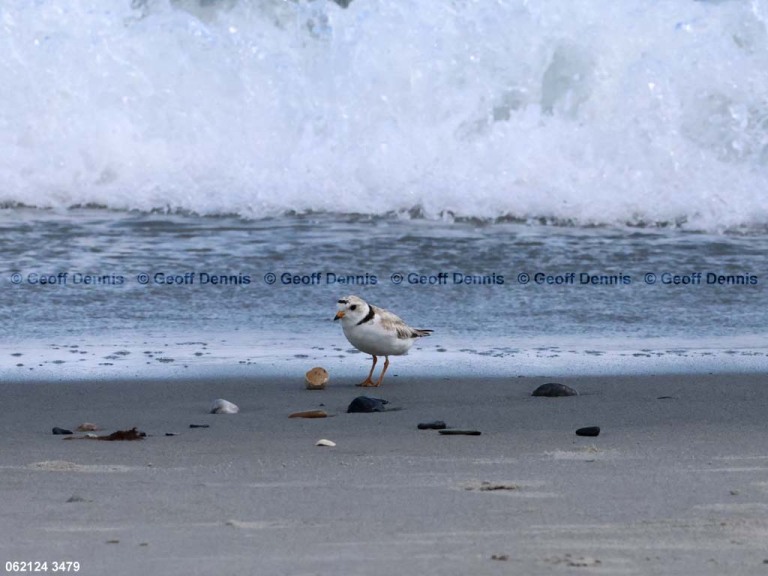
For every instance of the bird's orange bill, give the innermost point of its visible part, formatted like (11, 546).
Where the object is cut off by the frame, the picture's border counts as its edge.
(339, 314)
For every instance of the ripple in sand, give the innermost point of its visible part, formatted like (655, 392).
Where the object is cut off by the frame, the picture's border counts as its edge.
(518, 489)
(65, 466)
(586, 453)
(492, 486)
(255, 524)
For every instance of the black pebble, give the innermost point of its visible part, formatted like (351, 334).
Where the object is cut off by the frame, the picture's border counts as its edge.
(199, 425)
(60, 431)
(588, 431)
(554, 390)
(456, 432)
(436, 425)
(366, 404)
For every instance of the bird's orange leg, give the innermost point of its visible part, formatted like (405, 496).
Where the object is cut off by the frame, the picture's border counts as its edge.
(368, 382)
(386, 365)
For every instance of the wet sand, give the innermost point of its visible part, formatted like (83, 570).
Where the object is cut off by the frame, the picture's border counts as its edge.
(676, 483)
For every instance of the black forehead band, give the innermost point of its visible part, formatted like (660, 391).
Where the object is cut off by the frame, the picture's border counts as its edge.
(343, 302)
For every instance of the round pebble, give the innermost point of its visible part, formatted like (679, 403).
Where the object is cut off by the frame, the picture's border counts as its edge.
(554, 390)
(60, 431)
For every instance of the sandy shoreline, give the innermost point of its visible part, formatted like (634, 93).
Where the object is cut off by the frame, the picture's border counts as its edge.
(675, 485)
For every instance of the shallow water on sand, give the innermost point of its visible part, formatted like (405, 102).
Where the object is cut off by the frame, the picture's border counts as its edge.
(103, 291)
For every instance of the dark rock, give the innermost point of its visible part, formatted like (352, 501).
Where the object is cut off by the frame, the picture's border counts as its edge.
(366, 404)
(588, 431)
(435, 425)
(60, 431)
(554, 390)
(199, 425)
(457, 432)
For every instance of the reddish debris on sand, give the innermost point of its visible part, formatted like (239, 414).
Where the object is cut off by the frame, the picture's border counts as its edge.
(131, 434)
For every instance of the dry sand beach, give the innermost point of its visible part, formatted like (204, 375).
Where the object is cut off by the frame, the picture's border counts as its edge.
(676, 483)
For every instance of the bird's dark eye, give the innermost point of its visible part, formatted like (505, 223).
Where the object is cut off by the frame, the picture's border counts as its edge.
(353, 307)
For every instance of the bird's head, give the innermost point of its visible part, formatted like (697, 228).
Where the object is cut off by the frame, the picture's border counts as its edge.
(351, 309)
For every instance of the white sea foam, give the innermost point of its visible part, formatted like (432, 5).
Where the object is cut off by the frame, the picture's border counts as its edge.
(573, 110)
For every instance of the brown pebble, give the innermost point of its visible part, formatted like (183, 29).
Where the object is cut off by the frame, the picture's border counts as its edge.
(309, 414)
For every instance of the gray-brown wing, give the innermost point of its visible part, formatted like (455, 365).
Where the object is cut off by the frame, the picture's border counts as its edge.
(394, 322)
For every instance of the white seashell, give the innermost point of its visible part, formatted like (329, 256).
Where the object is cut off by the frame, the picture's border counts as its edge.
(317, 378)
(325, 442)
(222, 406)
(87, 427)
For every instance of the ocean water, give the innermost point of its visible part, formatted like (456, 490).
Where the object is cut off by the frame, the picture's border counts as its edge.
(188, 186)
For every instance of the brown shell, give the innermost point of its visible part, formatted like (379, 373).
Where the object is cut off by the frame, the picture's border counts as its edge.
(317, 378)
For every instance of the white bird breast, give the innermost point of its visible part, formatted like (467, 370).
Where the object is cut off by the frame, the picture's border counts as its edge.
(371, 338)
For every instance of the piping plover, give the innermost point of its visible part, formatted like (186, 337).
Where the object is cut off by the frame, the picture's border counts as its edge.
(375, 331)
